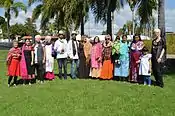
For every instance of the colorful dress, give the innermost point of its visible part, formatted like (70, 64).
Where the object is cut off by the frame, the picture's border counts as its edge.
(96, 60)
(13, 62)
(49, 62)
(107, 68)
(115, 48)
(28, 70)
(136, 49)
(122, 69)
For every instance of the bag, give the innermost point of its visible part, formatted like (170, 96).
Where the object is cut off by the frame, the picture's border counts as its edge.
(54, 53)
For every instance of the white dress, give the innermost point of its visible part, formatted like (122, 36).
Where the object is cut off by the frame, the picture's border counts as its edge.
(145, 65)
(49, 58)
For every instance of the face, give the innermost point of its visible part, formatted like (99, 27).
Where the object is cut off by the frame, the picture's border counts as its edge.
(85, 39)
(74, 36)
(27, 42)
(61, 36)
(137, 38)
(15, 44)
(96, 40)
(157, 34)
(37, 40)
(107, 39)
(124, 38)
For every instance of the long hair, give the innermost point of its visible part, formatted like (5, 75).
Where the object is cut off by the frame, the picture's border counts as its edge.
(96, 37)
(134, 38)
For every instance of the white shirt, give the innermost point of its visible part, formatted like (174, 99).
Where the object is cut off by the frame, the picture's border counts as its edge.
(70, 49)
(59, 46)
(145, 65)
(49, 58)
(35, 52)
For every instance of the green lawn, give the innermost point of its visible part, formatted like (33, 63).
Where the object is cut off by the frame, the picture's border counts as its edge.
(85, 98)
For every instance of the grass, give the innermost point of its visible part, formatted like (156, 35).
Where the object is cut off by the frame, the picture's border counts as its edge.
(86, 98)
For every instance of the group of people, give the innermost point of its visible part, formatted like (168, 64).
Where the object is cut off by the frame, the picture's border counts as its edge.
(106, 60)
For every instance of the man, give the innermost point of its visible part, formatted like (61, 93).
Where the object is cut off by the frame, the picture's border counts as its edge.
(158, 57)
(73, 54)
(39, 52)
(61, 49)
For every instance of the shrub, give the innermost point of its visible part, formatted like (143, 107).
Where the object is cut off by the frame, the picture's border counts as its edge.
(170, 42)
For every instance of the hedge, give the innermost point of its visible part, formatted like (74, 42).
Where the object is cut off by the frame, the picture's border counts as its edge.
(170, 42)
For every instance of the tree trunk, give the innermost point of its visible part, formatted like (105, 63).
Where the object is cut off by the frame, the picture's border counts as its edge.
(8, 23)
(161, 19)
(109, 23)
(82, 25)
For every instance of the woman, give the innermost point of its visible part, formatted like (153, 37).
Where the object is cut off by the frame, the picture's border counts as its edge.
(49, 59)
(84, 56)
(158, 57)
(107, 68)
(39, 52)
(13, 63)
(136, 50)
(27, 61)
(96, 58)
(122, 69)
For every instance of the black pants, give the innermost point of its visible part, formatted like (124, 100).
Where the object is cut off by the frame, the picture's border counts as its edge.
(158, 73)
(40, 71)
(62, 63)
(10, 79)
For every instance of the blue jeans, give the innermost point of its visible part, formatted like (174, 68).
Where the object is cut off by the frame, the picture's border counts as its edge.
(62, 63)
(74, 68)
(147, 79)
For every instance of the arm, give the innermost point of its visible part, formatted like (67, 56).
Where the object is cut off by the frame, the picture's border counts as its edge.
(44, 55)
(32, 54)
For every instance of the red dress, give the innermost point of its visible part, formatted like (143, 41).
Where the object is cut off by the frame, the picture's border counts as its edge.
(13, 60)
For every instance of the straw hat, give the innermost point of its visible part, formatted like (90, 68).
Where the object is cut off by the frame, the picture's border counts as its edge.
(48, 38)
(74, 32)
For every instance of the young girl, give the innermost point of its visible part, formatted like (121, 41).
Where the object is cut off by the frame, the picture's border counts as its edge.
(145, 66)
(13, 63)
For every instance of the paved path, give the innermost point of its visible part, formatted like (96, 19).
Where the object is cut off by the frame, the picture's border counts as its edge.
(171, 56)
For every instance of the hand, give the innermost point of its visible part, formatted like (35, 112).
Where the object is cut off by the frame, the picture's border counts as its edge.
(43, 61)
(138, 61)
(159, 60)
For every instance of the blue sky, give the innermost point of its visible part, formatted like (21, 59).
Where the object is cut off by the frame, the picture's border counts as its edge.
(94, 29)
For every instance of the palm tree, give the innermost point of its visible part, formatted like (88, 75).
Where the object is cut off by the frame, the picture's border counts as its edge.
(11, 6)
(102, 10)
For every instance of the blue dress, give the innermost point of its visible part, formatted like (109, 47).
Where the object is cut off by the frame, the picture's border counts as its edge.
(122, 69)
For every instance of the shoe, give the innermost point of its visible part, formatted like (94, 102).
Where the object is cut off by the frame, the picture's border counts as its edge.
(149, 85)
(8, 85)
(14, 85)
(42, 82)
(30, 84)
(144, 84)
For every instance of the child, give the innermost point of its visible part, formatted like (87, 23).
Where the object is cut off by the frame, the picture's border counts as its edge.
(13, 63)
(115, 50)
(145, 66)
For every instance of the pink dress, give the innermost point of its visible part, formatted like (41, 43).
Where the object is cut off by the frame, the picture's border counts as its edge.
(96, 60)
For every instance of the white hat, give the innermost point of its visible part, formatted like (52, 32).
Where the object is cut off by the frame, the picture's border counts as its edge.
(157, 30)
(38, 36)
(74, 32)
(61, 32)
